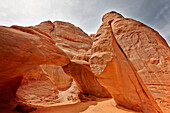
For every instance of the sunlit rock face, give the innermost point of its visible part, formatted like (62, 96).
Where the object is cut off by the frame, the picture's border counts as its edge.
(71, 39)
(131, 61)
(22, 48)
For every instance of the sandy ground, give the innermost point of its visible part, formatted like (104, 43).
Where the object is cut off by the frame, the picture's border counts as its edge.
(98, 106)
(68, 102)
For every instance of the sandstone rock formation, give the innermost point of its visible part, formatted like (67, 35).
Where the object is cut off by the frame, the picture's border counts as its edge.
(71, 39)
(131, 61)
(42, 85)
(20, 49)
(85, 79)
(125, 58)
(149, 54)
(76, 44)
(27, 47)
(56, 74)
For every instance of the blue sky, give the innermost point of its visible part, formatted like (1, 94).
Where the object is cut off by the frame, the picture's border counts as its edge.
(86, 14)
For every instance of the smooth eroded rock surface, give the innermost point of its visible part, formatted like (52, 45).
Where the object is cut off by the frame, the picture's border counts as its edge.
(85, 79)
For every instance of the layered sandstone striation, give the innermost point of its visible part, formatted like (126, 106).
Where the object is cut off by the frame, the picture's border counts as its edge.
(131, 61)
(71, 39)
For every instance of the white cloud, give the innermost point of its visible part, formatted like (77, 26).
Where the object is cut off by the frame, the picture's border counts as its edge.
(162, 11)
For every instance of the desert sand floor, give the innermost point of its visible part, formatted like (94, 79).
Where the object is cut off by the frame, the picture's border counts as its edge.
(98, 106)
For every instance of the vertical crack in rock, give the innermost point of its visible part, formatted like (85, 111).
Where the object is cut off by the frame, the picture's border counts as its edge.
(118, 71)
(140, 82)
(148, 54)
(144, 49)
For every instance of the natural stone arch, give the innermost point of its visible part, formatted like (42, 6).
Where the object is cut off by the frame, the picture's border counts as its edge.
(25, 47)
(20, 49)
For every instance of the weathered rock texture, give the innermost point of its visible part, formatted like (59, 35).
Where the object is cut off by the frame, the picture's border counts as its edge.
(149, 54)
(131, 61)
(77, 45)
(43, 85)
(20, 49)
(71, 39)
(58, 77)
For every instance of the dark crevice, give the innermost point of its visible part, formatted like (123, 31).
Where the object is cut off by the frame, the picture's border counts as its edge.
(121, 50)
(158, 84)
(52, 29)
(24, 108)
(98, 35)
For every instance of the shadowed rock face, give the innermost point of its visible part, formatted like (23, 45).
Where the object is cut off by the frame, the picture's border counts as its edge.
(85, 79)
(20, 49)
(131, 61)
